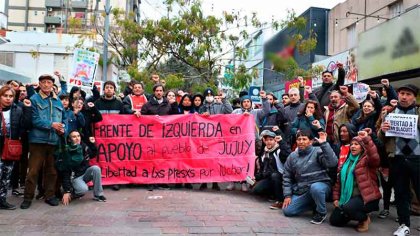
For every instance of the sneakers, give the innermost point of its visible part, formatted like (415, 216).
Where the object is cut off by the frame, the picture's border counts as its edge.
(383, 214)
(52, 201)
(40, 196)
(244, 187)
(363, 226)
(402, 231)
(15, 192)
(25, 204)
(4, 205)
(230, 186)
(318, 218)
(276, 206)
(99, 198)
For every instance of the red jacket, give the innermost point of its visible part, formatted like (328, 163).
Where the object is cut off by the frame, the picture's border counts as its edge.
(365, 173)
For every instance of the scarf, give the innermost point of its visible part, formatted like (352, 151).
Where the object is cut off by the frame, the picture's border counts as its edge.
(347, 178)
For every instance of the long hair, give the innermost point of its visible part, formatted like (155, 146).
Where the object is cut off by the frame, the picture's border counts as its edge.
(317, 112)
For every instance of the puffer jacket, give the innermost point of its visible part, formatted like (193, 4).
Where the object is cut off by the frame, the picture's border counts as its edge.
(365, 173)
(342, 114)
(45, 111)
(305, 167)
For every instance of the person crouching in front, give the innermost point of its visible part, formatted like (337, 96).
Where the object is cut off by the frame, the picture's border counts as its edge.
(80, 169)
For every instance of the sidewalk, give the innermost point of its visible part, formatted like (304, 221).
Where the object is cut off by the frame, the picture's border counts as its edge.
(136, 211)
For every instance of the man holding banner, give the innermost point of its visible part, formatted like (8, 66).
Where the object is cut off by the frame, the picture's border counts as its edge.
(403, 146)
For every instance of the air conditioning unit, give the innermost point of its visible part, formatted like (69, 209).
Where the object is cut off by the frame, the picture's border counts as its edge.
(49, 9)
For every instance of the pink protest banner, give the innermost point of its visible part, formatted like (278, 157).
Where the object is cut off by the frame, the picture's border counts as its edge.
(295, 84)
(175, 149)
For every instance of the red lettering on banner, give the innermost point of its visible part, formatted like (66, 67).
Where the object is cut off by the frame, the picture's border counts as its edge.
(175, 149)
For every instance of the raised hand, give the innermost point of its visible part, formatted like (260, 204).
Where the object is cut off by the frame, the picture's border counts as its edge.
(322, 137)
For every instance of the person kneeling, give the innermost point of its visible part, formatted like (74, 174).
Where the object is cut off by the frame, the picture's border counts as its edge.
(306, 183)
(269, 176)
(81, 171)
(356, 192)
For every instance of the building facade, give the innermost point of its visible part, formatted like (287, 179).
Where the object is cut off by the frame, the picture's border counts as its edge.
(56, 16)
(317, 21)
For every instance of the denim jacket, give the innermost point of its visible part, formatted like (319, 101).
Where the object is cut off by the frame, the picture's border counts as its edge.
(45, 111)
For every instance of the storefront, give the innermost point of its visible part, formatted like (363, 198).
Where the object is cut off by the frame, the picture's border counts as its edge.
(391, 50)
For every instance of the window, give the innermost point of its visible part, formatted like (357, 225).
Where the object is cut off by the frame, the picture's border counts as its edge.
(7, 58)
(351, 36)
(35, 13)
(396, 9)
(258, 43)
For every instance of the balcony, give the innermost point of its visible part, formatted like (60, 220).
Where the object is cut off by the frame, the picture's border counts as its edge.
(53, 3)
(54, 20)
(79, 4)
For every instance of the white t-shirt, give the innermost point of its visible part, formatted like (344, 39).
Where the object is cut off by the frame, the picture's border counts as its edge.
(6, 115)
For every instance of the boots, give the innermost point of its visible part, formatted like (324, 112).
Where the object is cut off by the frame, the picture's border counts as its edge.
(364, 225)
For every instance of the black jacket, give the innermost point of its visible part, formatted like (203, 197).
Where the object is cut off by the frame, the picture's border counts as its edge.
(105, 106)
(269, 165)
(322, 93)
(92, 115)
(152, 107)
(89, 151)
(20, 121)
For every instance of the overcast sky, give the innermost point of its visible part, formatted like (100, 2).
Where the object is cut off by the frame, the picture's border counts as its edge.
(265, 9)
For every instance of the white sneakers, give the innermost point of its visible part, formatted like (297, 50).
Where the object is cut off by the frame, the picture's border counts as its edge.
(402, 231)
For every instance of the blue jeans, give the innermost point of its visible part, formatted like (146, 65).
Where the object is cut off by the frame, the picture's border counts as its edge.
(93, 174)
(316, 196)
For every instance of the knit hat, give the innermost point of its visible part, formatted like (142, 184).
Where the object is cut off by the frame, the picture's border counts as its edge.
(409, 87)
(46, 76)
(243, 93)
(207, 92)
(360, 141)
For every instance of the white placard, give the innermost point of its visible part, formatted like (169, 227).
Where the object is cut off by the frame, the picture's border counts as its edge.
(402, 125)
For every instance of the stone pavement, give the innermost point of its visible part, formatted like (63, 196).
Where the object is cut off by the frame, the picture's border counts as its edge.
(136, 211)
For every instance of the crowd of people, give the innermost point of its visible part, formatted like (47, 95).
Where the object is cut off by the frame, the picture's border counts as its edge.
(308, 151)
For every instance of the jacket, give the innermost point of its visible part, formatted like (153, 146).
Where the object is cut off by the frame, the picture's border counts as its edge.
(274, 162)
(105, 106)
(389, 142)
(215, 108)
(370, 121)
(20, 121)
(152, 107)
(305, 167)
(258, 114)
(91, 115)
(89, 151)
(342, 114)
(322, 93)
(128, 104)
(74, 122)
(45, 111)
(305, 123)
(364, 173)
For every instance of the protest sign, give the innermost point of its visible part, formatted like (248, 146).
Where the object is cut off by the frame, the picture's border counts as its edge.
(295, 84)
(84, 68)
(175, 149)
(402, 125)
(360, 91)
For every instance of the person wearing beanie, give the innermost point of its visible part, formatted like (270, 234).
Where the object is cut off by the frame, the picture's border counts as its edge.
(47, 126)
(405, 157)
(269, 175)
(259, 114)
(356, 192)
(306, 183)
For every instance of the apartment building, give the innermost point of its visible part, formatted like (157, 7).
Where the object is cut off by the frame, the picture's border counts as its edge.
(55, 16)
